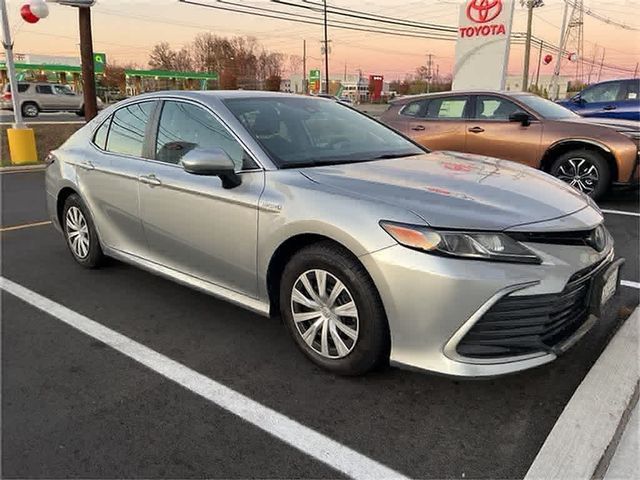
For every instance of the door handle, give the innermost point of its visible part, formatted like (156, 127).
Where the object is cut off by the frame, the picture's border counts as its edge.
(87, 165)
(150, 180)
(418, 128)
(476, 130)
(609, 107)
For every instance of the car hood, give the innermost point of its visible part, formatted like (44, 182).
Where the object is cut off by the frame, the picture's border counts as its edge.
(619, 125)
(456, 190)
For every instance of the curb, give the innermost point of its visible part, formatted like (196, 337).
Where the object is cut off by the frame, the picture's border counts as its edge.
(587, 432)
(23, 168)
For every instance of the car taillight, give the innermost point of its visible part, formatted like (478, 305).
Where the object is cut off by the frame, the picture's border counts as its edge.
(6, 96)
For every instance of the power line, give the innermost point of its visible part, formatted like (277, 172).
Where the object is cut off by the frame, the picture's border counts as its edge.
(602, 18)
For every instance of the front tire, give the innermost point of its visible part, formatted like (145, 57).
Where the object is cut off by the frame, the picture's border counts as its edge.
(333, 311)
(80, 233)
(584, 170)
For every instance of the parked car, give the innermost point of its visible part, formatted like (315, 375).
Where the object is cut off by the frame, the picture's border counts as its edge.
(589, 154)
(369, 247)
(618, 99)
(45, 97)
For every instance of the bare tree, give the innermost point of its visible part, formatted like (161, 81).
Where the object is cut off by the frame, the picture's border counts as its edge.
(162, 57)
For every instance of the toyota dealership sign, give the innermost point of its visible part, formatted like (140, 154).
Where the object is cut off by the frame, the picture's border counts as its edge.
(482, 50)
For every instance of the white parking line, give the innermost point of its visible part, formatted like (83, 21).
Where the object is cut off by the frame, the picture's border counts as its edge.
(622, 212)
(629, 283)
(314, 444)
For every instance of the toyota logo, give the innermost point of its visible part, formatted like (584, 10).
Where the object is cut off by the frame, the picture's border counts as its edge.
(483, 11)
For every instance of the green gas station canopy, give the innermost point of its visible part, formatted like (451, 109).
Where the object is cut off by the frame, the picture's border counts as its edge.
(171, 74)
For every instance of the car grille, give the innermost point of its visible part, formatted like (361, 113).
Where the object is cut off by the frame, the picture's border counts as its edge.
(522, 324)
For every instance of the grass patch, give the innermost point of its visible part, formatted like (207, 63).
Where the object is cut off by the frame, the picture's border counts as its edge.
(48, 137)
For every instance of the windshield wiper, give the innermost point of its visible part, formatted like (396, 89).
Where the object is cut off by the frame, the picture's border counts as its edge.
(387, 156)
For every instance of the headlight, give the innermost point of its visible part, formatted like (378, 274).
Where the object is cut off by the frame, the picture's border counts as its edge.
(473, 245)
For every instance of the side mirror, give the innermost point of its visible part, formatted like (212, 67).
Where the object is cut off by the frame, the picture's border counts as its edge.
(213, 162)
(520, 117)
(577, 99)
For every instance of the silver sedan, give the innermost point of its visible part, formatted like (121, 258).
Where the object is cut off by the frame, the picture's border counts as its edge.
(370, 248)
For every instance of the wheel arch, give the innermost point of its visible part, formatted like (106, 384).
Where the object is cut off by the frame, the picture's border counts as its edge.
(567, 145)
(63, 194)
(284, 252)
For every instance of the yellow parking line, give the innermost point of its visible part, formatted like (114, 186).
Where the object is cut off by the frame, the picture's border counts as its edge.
(26, 225)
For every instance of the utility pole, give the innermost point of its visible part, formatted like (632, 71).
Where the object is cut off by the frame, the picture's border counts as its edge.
(88, 69)
(539, 65)
(601, 64)
(555, 87)
(304, 67)
(593, 61)
(635, 72)
(530, 4)
(429, 72)
(326, 50)
(7, 43)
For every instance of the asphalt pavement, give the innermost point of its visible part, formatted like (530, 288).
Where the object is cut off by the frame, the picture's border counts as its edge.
(73, 406)
(6, 116)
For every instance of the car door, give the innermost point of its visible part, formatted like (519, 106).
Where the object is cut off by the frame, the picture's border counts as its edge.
(45, 97)
(66, 99)
(440, 125)
(192, 223)
(491, 133)
(108, 176)
(600, 100)
(629, 106)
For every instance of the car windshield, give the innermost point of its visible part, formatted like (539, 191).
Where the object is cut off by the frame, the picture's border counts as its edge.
(546, 108)
(306, 132)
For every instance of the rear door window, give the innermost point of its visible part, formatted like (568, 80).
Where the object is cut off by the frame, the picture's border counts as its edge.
(44, 89)
(128, 126)
(447, 108)
(633, 88)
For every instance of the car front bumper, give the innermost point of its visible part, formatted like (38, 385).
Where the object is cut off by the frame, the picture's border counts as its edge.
(433, 302)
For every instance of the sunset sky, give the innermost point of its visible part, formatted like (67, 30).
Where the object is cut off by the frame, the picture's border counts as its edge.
(127, 30)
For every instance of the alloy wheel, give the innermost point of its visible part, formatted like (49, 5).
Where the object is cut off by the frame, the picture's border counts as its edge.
(30, 111)
(77, 232)
(325, 314)
(579, 173)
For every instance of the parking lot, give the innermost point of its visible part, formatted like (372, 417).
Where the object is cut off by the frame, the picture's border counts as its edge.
(73, 406)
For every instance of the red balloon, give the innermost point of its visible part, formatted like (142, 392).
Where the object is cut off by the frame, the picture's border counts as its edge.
(27, 14)
(547, 59)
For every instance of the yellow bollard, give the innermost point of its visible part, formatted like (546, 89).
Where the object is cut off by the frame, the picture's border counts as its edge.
(22, 146)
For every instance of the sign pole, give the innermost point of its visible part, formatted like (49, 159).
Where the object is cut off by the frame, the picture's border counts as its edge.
(88, 68)
(11, 69)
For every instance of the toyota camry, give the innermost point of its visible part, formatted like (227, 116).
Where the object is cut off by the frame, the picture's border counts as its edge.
(371, 249)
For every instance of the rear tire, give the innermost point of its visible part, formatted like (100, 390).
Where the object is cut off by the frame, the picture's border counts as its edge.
(345, 333)
(80, 112)
(80, 233)
(585, 170)
(30, 110)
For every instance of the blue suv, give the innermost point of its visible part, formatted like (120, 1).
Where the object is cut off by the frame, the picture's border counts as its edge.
(612, 99)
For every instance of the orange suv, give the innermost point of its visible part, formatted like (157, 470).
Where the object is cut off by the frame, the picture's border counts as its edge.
(589, 154)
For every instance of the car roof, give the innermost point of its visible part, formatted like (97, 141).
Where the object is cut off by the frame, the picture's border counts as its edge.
(421, 96)
(220, 94)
